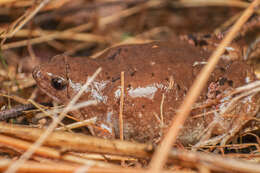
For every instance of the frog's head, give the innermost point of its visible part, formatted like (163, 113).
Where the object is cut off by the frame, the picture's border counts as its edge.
(52, 78)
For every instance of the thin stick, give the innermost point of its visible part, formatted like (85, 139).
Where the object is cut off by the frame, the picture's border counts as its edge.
(6, 1)
(52, 126)
(121, 121)
(161, 153)
(201, 3)
(62, 35)
(161, 111)
(78, 124)
(30, 16)
(32, 167)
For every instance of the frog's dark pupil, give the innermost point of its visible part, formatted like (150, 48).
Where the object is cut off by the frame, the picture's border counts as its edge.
(58, 83)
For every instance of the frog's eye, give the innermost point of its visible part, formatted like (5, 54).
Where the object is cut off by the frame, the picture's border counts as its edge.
(58, 83)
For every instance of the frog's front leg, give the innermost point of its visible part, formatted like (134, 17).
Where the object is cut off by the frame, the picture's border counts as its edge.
(252, 47)
(105, 126)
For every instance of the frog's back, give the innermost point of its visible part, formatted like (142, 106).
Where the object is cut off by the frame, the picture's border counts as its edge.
(156, 74)
(149, 63)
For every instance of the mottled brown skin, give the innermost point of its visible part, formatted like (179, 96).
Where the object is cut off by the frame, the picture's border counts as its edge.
(151, 65)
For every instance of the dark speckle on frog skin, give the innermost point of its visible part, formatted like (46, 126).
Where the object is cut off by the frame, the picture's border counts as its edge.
(225, 52)
(202, 43)
(222, 81)
(113, 56)
(107, 76)
(230, 83)
(222, 69)
(114, 79)
(217, 92)
(178, 87)
(132, 73)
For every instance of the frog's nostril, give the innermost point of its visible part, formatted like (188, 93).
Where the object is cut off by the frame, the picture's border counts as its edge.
(36, 72)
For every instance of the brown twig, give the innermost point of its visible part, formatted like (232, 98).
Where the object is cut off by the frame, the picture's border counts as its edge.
(121, 121)
(103, 146)
(215, 162)
(47, 35)
(17, 111)
(32, 167)
(201, 3)
(91, 144)
(47, 152)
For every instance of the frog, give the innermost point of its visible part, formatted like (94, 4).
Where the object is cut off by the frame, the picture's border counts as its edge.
(157, 76)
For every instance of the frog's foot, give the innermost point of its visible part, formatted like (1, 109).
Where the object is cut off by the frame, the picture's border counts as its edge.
(224, 137)
(206, 138)
(209, 142)
(242, 106)
(235, 110)
(103, 130)
(252, 47)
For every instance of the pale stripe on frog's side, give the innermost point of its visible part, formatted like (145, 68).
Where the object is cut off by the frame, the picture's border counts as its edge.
(142, 92)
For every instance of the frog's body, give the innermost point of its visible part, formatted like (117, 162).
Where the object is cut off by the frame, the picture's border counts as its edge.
(157, 77)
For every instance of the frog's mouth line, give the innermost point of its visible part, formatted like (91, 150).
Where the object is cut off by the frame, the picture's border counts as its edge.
(50, 95)
(44, 88)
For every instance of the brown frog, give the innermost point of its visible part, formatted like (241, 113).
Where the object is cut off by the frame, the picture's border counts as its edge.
(157, 77)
